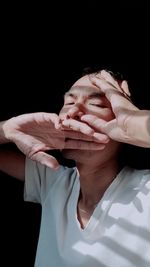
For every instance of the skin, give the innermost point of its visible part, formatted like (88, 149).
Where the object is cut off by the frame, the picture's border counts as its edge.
(36, 133)
(130, 124)
(84, 98)
(97, 170)
(96, 118)
(94, 152)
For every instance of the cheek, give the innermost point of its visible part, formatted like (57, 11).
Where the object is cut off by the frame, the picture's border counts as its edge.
(103, 113)
(108, 111)
(108, 114)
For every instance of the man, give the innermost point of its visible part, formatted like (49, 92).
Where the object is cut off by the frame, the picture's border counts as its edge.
(96, 214)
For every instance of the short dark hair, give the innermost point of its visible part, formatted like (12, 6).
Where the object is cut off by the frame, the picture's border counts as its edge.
(89, 70)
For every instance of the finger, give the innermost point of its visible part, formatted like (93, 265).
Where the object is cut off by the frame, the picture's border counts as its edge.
(51, 118)
(54, 118)
(103, 138)
(99, 125)
(78, 126)
(110, 128)
(117, 99)
(125, 88)
(83, 145)
(41, 117)
(96, 137)
(109, 78)
(103, 86)
(94, 122)
(122, 86)
(46, 159)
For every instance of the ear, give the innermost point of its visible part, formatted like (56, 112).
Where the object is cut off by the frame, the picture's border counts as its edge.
(125, 88)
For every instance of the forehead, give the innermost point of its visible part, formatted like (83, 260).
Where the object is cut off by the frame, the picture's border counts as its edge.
(83, 86)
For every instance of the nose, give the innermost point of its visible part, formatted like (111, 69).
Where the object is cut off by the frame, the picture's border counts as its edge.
(75, 112)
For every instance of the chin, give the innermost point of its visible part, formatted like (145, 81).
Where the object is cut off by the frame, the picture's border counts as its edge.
(77, 154)
(71, 153)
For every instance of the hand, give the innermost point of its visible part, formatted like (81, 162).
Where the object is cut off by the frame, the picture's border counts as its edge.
(125, 127)
(38, 132)
(86, 132)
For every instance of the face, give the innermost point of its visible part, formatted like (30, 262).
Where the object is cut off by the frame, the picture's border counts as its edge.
(85, 98)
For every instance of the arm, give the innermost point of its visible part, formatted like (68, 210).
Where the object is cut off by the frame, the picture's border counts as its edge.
(3, 139)
(130, 124)
(11, 162)
(34, 134)
(138, 128)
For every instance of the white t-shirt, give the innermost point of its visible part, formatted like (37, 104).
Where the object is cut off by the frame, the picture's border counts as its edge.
(118, 232)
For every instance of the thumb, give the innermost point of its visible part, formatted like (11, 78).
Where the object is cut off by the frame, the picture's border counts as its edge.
(125, 88)
(46, 159)
(94, 121)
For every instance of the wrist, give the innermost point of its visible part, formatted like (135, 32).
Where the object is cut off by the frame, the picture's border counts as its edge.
(3, 133)
(138, 128)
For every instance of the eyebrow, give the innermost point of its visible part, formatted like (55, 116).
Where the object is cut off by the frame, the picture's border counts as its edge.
(92, 95)
(96, 95)
(69, 94)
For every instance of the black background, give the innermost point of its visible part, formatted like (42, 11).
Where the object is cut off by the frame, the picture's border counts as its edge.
(43, 51)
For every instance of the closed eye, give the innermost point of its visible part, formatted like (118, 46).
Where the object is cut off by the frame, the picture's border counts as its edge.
(97, 105)
(70, 103)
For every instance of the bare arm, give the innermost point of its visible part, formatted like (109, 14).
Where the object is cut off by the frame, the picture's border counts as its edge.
(3, 139)
(138, 128)
(33, 134)
(36, 133)
(130, 124)
(12, 163)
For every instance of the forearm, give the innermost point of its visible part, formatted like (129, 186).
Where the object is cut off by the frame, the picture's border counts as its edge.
(138, 128)
(12, 163)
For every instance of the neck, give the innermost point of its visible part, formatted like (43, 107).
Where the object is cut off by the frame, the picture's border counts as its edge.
(94, 181)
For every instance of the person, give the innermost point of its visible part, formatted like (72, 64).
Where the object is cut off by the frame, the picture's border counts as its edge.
(98, 212)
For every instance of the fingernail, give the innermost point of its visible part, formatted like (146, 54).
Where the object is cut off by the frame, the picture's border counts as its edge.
(104, 139)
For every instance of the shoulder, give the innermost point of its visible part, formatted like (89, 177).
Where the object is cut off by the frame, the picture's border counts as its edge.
(137, 176)
(138, 172)
(47, 175)
(41, 180)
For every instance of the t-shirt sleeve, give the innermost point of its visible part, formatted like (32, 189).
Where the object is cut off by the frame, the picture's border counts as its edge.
(38, 180)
